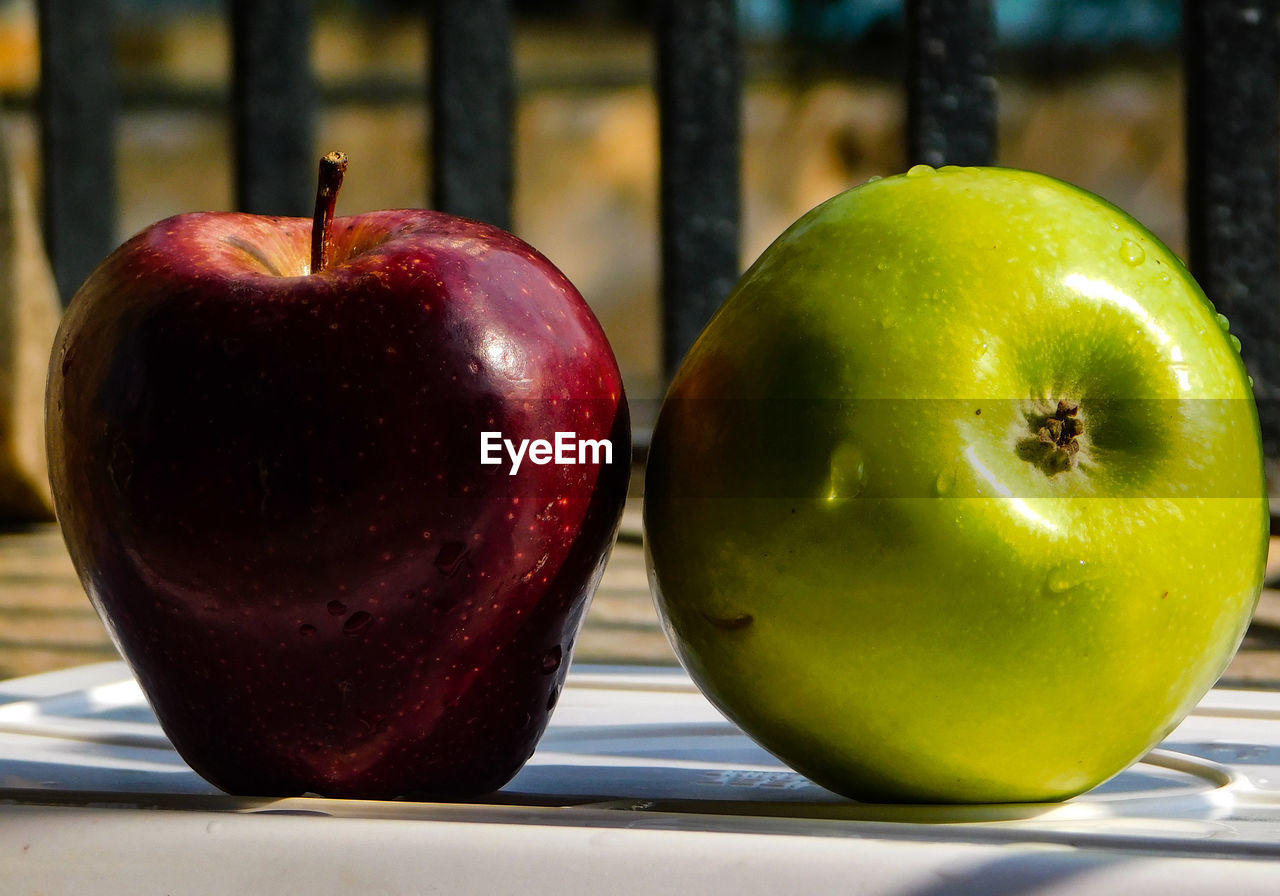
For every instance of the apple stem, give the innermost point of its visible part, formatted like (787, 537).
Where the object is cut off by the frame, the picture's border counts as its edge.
(1056, 444)
(332, 167)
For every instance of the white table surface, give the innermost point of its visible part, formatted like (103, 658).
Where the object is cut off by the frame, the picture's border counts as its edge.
(638, 786)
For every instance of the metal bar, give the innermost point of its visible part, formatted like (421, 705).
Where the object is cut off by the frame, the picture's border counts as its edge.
(472, 103)
(951, 93)
(274, 99)
(78, 129)
(699, 81)
(1231, 52)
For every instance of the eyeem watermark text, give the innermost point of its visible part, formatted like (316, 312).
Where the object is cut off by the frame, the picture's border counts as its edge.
(565, 448)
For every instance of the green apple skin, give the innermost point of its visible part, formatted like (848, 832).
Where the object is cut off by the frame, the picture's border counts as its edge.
(855, 544)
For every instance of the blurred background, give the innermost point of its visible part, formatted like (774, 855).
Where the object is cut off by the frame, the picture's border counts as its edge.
(1089, 91)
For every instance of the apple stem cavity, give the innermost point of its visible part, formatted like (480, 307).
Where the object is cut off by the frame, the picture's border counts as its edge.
(332, 168)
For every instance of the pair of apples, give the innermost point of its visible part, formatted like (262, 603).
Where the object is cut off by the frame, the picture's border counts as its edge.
(958, 497)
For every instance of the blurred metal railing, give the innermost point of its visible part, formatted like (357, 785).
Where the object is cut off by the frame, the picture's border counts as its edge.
(1231, 53)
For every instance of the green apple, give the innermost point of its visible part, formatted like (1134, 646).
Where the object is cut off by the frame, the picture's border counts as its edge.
(959, 496)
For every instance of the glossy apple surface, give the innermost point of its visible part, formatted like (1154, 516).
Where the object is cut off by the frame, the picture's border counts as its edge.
(959, 496)
(270, 483)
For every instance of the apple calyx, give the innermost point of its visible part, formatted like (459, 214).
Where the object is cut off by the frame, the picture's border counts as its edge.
(1055, 446)
(332, 168)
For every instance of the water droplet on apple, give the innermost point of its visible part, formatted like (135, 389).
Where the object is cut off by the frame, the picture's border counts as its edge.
(336, 608)
(1250, 379)
(120, 466)
(875, 177)
(551, 662)
(306, 629)
(848, 473)
(1235, 341)
(919, 170)
(946, 480)
(1131, 253)
(1223, 322)
(357, 621)
(1067, 576)
(450, 558)
(729, 622)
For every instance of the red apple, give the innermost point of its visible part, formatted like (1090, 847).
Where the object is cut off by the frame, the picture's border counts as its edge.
(267, 467)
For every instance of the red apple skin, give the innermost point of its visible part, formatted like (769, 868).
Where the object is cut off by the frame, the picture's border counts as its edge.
(270, 485)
